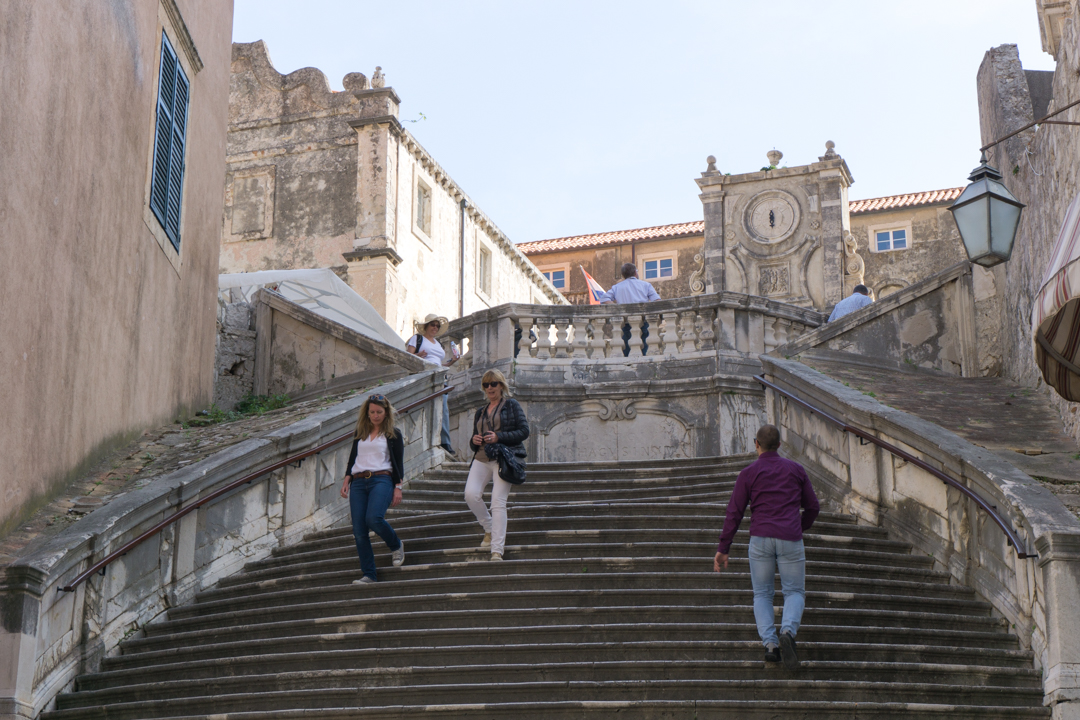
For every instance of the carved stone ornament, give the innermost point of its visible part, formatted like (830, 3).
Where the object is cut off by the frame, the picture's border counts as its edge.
(697, 278)
(617, 410)
(771, 216)
(378, 80)
(853, 264)
(773, 280)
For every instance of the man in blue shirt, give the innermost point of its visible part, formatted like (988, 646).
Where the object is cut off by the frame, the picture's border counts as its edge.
(631, 290)
(860, 298)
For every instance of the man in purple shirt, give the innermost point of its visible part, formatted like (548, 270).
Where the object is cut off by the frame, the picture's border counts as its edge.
(776, 489)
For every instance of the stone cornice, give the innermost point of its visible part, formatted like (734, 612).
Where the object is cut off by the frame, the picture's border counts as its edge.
(394, 123)
(183, 35)
(365, 253)
(377, 92)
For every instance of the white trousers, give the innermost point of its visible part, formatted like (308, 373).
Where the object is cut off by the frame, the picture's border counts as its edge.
(494, 522)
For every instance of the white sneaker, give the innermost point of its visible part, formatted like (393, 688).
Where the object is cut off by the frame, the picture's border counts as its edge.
(363, 581)
(496, 556)
(486, 542)
(398, 556)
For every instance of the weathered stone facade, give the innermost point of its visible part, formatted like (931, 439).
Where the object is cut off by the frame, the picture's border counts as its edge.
(332, 179)
(787, 269)
(1040, 166)
(108, 328)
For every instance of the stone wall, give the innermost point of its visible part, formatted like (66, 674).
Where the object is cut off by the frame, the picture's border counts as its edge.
(1042, 168)
(332, 179)
(932, 324)
(234, 367)
(1036, 595)
(301, 354)
(108, 330)
(49, 636)
(691, 394)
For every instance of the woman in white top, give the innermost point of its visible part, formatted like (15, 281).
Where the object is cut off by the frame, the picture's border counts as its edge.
(373, 483)
(424, 346)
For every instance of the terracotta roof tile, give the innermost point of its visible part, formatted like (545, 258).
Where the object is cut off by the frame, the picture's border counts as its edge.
(894, 202)
(619, 237)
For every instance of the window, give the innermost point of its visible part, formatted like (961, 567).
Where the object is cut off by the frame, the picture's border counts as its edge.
(483, 271)
(423, 207)
(557, 278)
(885, 240)
(658, 269)
(167, 180)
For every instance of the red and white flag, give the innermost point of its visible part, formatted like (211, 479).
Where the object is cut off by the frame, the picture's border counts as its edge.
(595, 289)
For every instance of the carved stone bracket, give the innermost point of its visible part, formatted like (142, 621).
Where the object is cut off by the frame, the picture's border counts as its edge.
(697, 278)
(617, 409)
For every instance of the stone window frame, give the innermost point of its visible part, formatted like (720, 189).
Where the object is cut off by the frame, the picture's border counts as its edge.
(170, 24)
(484, 275)
(422, 226)
(545, 270)
(873, 230)
(665, 255)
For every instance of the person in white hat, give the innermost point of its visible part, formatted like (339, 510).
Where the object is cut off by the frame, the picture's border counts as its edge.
(424, 346)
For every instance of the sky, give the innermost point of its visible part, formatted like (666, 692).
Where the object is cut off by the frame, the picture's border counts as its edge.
(565, 118)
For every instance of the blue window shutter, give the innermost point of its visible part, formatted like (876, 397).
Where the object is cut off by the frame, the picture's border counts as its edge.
(166, 183)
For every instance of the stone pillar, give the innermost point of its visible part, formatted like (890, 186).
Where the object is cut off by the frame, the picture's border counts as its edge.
(712, 198)
(1059, 561)
(21, 590)
(372, 273)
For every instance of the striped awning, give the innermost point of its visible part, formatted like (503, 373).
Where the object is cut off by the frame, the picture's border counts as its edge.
(1055, 314)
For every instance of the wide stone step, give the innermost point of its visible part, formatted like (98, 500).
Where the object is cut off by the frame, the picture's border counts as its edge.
(116, 674)
(527, 690)
(430, 541)
(888, 674)
(330, 585)
(470, 529)
(476, 569)
(613, 478)
(351, 599)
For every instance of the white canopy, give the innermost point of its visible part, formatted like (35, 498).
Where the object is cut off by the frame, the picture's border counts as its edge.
(1055, 315)
(320, 291)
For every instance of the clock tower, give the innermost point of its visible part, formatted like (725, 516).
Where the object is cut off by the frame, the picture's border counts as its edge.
(779, 232)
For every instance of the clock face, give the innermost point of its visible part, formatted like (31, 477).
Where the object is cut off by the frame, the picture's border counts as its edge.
(771, 218)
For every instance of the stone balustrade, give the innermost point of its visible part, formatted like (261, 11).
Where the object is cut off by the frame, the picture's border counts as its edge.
(702, 325)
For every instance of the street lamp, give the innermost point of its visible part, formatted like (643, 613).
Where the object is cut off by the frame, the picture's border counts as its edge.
(987, 216)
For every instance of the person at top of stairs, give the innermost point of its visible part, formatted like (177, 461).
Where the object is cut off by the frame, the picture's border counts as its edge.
(776, 489)
(502, 420)
(373, 484)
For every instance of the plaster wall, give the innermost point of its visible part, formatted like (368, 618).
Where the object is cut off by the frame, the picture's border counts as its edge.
(104, 332)
(934, 243)
(1042, 169)
(604, 264)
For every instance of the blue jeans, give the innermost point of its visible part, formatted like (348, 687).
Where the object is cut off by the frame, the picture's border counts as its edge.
(368, 500)
(766, 555)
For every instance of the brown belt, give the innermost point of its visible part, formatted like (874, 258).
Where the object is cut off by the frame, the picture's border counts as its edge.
(369, 474)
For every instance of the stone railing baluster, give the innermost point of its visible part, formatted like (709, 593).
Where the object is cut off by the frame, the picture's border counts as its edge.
(706, 337)
(671, 334)
(562, 345)
(525, 348)
(635, 335)
(543, 339)
(688, 337)
(581, 338)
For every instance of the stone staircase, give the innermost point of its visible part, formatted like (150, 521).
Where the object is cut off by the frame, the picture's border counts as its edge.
(606, 606)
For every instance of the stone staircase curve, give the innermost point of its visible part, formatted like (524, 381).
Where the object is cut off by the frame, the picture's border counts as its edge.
(605, 605)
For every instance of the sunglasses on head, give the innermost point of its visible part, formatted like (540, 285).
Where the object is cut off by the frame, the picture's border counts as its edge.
(378, 398)
(491, 385)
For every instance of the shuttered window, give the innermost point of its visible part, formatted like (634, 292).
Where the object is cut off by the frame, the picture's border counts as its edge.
(167, 183)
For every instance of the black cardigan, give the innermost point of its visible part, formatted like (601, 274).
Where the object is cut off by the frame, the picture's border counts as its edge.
(513, 425)
(396, 446)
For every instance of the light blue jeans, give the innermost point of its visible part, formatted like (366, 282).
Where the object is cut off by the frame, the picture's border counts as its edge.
(766, 556)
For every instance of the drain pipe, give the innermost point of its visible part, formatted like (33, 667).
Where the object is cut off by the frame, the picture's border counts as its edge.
(461, 296)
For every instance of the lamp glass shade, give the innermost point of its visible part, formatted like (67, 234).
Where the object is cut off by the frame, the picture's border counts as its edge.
(987, 216)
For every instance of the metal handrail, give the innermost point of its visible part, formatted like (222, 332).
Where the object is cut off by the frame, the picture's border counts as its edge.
(1010, 535)
(247, 479)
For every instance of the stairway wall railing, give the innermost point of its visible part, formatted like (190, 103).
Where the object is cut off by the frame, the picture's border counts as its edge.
(983, 521)
(59, 618)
